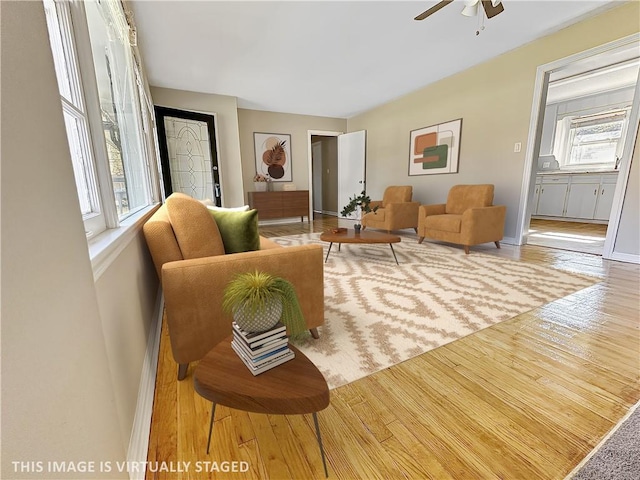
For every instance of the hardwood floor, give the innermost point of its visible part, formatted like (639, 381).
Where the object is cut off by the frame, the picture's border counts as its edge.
(575, 236)
(528, 398)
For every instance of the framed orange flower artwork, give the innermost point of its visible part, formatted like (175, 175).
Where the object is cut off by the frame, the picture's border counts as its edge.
(273, 156)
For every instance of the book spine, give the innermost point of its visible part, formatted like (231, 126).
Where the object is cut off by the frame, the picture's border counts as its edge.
(263, 343)
(255, 339)
(261, 351)
(255, 363)
(269, 366)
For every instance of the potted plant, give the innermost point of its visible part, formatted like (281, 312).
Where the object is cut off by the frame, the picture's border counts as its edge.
(258, 300)
(260, 182)
(358, 204)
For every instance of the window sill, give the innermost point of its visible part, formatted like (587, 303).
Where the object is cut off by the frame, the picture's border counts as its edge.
(105, 247)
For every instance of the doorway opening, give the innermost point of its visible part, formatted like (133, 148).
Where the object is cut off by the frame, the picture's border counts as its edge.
(579, 150)
(324, 175)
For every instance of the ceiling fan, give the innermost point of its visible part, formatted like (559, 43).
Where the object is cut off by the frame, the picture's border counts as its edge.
(491, 8)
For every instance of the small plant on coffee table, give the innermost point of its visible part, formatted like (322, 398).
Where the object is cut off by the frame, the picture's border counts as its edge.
(358, 204)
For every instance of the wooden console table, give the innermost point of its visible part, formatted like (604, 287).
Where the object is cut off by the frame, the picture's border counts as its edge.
(280, 204)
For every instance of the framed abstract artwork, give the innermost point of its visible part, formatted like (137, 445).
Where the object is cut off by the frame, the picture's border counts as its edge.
(435, 149)
(273, 156)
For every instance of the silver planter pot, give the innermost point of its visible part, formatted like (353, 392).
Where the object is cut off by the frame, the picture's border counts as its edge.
(262, 320)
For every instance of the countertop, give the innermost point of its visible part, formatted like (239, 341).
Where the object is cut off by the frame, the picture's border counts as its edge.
(568, 172)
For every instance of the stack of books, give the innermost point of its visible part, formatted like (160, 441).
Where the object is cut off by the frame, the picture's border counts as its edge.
(261, 351)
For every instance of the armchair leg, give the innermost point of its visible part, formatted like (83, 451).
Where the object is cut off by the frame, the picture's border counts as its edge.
(182, 370)
(466, 249)
(420, 239)
(364, 227)
(314, 333)
(416, 229)
(497, 244)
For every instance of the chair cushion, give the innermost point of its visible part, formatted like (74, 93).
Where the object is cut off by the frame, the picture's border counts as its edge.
(445, 223)
(463, 197)
(195, 229)
(239, 230)
(397, 195)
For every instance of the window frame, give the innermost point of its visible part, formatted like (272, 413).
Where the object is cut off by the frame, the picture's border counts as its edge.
(77, 50)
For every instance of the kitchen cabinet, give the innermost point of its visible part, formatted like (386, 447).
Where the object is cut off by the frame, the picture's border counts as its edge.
(582, 196)
(579, 196)
(553, 193)
(605, 197)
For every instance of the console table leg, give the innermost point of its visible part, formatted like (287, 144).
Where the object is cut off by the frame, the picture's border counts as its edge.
(213, 411)
(394, 253)
(324, 462)
(328, 252)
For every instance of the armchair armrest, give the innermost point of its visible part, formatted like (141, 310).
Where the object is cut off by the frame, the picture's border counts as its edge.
(193, 292)
(483, 224)
(427, 210)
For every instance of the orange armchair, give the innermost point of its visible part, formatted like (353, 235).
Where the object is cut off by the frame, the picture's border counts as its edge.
(395, 211)
(468, 218)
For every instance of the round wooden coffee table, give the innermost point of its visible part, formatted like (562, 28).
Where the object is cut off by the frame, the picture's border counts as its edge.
(294, 387)
(365, 236)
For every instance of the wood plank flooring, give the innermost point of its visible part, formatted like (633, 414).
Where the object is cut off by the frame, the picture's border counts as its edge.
(574, 236)
(528, 398)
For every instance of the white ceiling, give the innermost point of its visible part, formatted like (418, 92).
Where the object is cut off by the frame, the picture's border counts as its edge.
(329, 58)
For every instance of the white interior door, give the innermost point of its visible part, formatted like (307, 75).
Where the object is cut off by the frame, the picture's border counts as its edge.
(351, 166)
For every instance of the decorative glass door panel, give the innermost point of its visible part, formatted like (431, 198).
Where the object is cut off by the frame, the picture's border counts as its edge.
(188, 154)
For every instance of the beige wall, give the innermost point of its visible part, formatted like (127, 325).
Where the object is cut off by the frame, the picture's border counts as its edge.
(58, 400)
(494, 100)
(628, 240)
(226, 110)
(297, 126)
(126, 294)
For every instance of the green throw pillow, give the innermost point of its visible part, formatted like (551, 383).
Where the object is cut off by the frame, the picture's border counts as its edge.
(239, 230)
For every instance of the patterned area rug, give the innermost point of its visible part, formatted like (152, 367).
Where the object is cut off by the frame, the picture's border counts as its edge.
(378, 314)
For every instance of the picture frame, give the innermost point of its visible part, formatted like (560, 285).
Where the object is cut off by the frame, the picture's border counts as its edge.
(273, 156)
(435, 149)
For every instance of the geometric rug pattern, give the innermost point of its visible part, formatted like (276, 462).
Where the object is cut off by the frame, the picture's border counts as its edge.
(378, 314)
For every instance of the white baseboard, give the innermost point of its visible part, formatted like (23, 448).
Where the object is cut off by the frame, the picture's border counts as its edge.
(625, 257)
(509, 240)
(139, 441)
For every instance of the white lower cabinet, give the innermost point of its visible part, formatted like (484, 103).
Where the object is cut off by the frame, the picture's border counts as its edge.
(582, 197)
(553, 193)
(577, 196)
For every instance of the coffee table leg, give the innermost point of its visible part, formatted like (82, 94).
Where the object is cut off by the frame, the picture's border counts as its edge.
(324, 462)
(328, 251)
(394, 253)
(213, 411)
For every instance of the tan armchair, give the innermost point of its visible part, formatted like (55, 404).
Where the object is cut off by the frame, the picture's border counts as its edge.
(189, 257)
(395, 211)
(468, 218)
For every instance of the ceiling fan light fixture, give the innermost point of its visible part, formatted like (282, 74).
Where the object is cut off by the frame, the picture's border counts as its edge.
(470, 9)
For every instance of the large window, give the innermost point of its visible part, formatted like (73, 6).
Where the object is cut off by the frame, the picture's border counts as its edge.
(595, 140)
(99, 88)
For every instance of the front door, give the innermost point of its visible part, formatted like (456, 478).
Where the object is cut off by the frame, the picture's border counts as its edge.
(188, 155)
(351, 166)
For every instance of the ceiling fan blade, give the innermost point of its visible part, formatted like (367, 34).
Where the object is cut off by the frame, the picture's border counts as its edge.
(433, 9)
(492, 10)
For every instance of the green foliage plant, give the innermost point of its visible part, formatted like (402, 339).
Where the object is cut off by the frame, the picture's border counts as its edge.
(359, 204)
(253, 291)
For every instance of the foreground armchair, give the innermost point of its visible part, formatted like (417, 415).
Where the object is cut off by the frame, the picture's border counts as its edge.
(394, 212)
(189, 255)
(468, 218)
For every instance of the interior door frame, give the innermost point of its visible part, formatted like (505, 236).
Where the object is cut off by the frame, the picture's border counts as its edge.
(535, 133)
(212, 123)
(310, 133)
